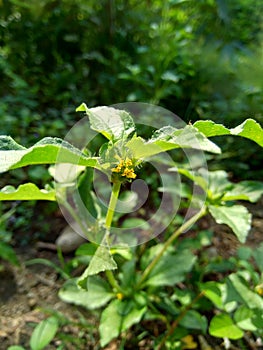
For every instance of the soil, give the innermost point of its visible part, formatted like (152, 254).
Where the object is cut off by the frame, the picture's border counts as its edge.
(28, 294)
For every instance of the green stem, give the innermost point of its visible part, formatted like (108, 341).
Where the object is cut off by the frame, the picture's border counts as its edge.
(112, 204)
(177, 233)
(109, 216)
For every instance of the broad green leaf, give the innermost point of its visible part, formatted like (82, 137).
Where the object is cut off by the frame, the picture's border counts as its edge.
(245, 190)
(118, 317)
(28, 191)
(194, 320)
(113, 123)
(47, 151)
(249, 129)
(110, 322)
(222, 326)
(171, 269)
(210, 128)
(169, 138)
(16, 347)
(132, 317)
(251, 299)
(188, 137)
(43, 333)
(98, 294)
(244, 318)
(101, 261)
(236, 217)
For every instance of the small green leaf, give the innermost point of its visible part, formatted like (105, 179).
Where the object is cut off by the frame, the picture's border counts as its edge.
(15, 347)
(222, 326)
(47, 151)
(194, 320)
(43, 333)
(101, 261)
(28, 191)
(8, 253)
(251, 299)
(236, 217)
(98, 294)
(213, 292)
(171, 269)
(243, 318)
(113, 123)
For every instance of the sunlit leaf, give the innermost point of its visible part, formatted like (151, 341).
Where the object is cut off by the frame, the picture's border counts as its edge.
(249, 129)
(47, 151)
(222, 326)
(236, 217)
(28, 191)
(113, 123)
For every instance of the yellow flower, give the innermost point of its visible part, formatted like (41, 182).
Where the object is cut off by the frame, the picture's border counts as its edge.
(119, 296)
(125, 168)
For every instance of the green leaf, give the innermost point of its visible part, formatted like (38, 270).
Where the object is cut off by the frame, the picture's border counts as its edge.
(245, 190)
(213, 292)
(244, 318)
(222, 326)
(15, 347)
(110, 323)
(249, 129)
(194, 320)
(188, 137)
(28, 191)
(8, 144)
(113, 123)
(236, 217)
(118, 317)
(47, 151)
(251, 299)
(171, 269)
(169, 138)
(43, 333)
(101, 261)
(258, 256)
(210, 128)
(132, 317)
(8, 253)
(99, 293)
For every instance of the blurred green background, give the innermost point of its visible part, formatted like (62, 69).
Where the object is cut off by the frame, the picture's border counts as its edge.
(200, 59)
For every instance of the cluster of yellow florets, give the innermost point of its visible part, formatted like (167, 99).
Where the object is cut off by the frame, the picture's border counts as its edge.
(125, 168)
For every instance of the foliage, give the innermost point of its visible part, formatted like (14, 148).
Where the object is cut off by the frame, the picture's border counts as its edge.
(141, 282)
